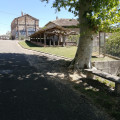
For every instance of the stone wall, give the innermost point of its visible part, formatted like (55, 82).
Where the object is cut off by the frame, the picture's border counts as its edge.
(24, 26)
(70, 43)
(38, 44)
(111, 67)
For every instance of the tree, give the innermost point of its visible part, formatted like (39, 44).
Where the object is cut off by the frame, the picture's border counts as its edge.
(113, 44)
(93, 15)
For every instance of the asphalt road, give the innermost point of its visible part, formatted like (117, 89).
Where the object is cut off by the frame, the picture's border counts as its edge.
(26, 93)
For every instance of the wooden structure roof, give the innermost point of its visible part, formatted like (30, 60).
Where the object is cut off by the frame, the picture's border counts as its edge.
(54, 30)
(65, 22)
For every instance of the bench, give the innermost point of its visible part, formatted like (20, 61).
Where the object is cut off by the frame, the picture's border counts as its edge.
(91, 72)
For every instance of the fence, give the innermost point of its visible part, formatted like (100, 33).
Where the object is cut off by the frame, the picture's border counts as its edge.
(111, 46)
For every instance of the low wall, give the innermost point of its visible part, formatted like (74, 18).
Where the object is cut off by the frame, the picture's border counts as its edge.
(60, 44)
(38, 43)
(70, 43)
(108, 66)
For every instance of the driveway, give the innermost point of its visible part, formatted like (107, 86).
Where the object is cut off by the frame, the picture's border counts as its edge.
(31, 88)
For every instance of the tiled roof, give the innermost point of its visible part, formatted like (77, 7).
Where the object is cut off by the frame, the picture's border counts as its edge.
(66, 22)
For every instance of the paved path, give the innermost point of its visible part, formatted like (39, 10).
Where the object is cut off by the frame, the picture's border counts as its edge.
(27, 93)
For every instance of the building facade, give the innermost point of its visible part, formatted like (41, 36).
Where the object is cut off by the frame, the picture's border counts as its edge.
(24, 26)
(55, 34)
(4, 37)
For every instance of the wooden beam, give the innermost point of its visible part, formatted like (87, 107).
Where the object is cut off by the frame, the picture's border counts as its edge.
(40, 37)
(90, 74)
(28, 25)
(44, 39)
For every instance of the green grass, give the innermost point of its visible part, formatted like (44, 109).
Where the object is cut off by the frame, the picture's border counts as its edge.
(68, 52)
(104, 100)
(106, 82)
(109, 102)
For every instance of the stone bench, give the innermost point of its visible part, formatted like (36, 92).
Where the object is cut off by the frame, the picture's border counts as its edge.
(91, 72)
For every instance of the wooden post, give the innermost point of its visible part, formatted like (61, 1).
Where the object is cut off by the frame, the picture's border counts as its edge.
(44, 39)
(64, 38)
(89, 75)
(53, 41)
(117, 88)
(50, 42)
(58, 40)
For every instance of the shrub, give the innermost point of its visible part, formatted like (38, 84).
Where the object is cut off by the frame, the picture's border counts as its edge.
(113, 44)
(73, 38)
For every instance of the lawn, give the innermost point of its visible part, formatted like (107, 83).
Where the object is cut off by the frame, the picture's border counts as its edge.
(68, 52)
(98, 91)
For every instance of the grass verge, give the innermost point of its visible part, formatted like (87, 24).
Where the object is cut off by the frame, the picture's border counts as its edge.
(97, 90)
(100, 93)
(68, 52)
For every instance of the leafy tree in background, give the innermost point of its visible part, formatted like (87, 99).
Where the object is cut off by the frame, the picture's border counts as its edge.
(113, 44)
(93, 15)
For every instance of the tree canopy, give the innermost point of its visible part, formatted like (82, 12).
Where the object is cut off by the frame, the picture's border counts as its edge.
(93, 16)
(100, 14)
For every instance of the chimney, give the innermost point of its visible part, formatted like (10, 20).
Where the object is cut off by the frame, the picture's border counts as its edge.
(56, 17)
(21, 13)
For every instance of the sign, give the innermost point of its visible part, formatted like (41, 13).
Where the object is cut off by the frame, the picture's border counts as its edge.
(102, 39)
(102, 43)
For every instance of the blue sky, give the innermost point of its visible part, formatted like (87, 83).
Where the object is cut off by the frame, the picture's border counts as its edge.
(10, 9)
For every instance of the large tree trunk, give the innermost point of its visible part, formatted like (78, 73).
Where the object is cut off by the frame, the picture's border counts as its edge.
(82, 58)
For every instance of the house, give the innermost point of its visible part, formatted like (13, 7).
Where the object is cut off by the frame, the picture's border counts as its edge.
(24, 26)
(69, 24)
(55, 33)
(4, 37)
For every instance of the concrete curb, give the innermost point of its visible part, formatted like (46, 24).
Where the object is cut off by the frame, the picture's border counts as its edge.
(68, 59)
(117, 58)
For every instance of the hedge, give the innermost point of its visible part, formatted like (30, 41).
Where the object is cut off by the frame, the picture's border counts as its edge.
(113, 44)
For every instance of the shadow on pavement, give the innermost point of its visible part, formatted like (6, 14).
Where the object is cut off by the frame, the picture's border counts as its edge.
(30, 94)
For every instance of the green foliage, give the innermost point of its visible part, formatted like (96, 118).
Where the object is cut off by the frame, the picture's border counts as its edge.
(113, 44)
(73, 38)
(21, 37)
(68, 51)
(101, 97)
(100, 14)
(116, 114)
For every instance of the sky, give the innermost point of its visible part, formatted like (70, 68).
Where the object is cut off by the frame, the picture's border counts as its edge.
(10, 9)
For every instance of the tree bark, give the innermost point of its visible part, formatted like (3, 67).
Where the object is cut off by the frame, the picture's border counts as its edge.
(82, 58)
